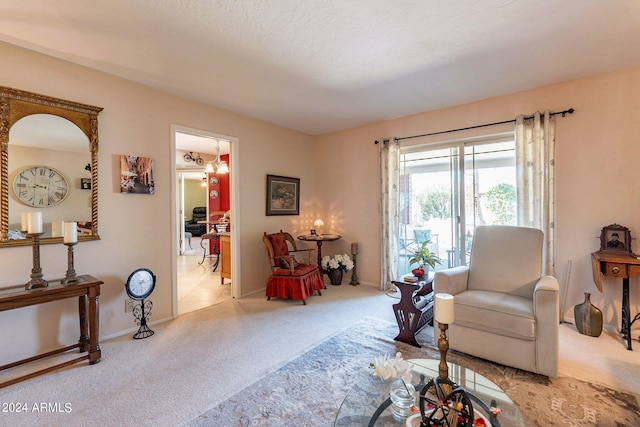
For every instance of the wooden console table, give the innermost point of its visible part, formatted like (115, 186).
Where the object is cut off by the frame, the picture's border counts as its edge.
(415, 308)
(87, 291)
(623, 266)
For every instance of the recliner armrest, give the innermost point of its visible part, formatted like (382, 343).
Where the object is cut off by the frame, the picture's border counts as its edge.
(546, 294)
(547, 283)
(546, 311)
(451, 281)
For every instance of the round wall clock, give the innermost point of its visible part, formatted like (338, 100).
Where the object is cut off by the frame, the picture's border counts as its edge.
(213, 194)
(140, 284)
(40, 186)
(213, 180)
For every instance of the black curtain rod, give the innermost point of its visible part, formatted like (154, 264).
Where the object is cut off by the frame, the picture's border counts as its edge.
(563, 113)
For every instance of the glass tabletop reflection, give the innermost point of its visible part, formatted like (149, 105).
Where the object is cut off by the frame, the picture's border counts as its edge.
(364, 405)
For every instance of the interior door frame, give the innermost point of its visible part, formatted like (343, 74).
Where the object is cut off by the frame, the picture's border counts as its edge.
(234, 166)
(179, 183)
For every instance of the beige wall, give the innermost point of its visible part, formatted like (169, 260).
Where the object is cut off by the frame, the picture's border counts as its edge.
(597, 152)
(597, 157)
(136, 229)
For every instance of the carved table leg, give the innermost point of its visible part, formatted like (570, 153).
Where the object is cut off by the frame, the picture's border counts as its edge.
(319, 243)
(83, 342)
(94, 330)
(626, 314)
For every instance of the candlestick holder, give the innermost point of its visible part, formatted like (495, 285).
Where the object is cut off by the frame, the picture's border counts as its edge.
(354, 273)
(443, 346)
(71, 277)
(37, 281)
(442, 401)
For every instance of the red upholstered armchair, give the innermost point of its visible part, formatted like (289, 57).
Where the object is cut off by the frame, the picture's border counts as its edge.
(289, 278)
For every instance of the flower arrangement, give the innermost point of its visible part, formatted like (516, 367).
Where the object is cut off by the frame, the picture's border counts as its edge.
(387, 368)
(339, 262)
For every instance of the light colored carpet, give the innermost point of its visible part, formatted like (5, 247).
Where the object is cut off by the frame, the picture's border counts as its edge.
(193, 362)
(308, 391)
(203, 358)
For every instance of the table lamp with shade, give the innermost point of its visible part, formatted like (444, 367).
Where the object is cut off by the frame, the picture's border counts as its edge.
(317, 224)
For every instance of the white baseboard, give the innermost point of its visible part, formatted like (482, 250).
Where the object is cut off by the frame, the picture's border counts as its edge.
(134, 329)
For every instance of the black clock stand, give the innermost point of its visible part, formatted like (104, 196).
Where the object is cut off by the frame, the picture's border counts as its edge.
(141, 312)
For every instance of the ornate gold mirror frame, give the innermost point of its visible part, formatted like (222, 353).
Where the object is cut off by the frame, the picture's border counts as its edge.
(16, 104)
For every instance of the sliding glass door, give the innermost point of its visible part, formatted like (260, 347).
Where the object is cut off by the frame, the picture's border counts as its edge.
(446, 191)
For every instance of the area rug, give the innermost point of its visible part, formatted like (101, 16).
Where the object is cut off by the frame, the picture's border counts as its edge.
(308, 390)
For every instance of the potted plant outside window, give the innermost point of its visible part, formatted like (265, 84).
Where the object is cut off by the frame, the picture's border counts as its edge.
(425, 258)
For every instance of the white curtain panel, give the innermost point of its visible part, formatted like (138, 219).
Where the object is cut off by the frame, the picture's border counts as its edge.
(535, 158)
(389, 184)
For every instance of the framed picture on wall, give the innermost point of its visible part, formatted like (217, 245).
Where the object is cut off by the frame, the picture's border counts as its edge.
(85, 183)
(137, 175)
(615, 238)
(283, 195)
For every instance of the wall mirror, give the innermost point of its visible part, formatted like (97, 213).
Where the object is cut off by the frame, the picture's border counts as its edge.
(45, 140)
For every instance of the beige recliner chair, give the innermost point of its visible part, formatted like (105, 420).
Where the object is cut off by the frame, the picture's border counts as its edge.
(504, 310)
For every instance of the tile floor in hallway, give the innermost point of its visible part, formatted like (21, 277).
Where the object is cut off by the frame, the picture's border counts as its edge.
(198, 285)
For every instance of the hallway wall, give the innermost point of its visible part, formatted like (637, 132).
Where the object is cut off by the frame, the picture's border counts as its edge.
(135, 229)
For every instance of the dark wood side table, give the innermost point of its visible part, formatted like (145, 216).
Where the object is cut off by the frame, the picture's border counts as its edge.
(88, 292)
(623, 266)
(415, 308)
(319, 239)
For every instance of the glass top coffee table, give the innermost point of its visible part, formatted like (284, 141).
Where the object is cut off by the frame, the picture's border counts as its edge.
(364, 404)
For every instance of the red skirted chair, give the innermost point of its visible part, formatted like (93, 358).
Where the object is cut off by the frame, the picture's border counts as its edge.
(290, 279)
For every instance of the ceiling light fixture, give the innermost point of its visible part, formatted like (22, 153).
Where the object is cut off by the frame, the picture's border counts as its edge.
(218, 165)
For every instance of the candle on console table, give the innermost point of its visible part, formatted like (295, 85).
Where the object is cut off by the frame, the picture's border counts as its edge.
(444, 308)
(34, 222)
(24, 221)
(354, 249)
(70, 232)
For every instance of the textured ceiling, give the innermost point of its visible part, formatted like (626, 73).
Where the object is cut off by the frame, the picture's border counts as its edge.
(324, 65)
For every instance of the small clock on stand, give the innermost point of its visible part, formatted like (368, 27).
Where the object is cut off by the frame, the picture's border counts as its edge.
(139, 286)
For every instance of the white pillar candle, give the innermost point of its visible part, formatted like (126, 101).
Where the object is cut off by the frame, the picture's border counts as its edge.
(34, 222)
(444, 308)
(56, 228)
(70, 232)
(24, 218)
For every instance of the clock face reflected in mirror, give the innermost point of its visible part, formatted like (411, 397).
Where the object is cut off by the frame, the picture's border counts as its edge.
(40, 186)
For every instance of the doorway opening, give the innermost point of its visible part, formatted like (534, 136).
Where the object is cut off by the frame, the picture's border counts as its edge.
(204, 249)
